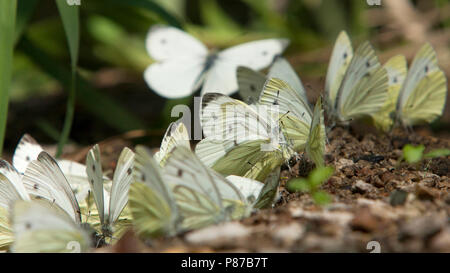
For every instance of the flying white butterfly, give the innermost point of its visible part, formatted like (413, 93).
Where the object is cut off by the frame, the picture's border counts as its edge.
(184, 63)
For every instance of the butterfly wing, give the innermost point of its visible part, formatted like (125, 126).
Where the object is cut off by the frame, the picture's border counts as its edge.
(427, 102)
(269, 193)
(396, 69)
(295, 113)
(26, 151)
(250, 84)
(11, 190)
(43, 179)
(11, 186)
(278, 92)
(339, 62)
(76, 175)
(6, 232)
(176, 135)
(38, 227)
(281, 69)
(199, 191)
(364, 88)
(181, 61)
(95, 174)
(151, 201)
(121, 184)
(315, 146)
(422, 97)
(175, 78)
(256, 55)
(249, 188)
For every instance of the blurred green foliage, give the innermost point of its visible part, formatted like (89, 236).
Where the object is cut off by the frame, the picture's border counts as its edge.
(112, 36)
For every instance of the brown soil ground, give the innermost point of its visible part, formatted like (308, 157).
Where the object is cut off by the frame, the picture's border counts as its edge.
(402, 207)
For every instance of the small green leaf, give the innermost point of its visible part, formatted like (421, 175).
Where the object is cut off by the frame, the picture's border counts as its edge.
(321, 198)
(319, 176)
(438, 153)
(298, 184)
(413, 154)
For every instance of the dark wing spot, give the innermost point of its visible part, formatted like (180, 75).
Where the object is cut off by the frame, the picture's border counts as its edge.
(163, 41)
(143, 177)
(180, 173)
(264, 53)
(426, 69)
(27, 225)
(395, 79)
(367, 64)
(92, 181)
(275, 102)
(252, 88)
(345, 55)
(129, 171)
(93, 168)
(36, 186)
(27, 158)
(235, 142)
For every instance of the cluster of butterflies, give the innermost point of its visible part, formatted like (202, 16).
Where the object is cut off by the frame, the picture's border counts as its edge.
(49, 205)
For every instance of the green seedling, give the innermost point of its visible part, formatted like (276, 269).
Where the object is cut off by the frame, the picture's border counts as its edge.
(414, 154)
(312, 184)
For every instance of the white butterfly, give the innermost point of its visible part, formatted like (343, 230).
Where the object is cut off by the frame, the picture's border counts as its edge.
(205, 197)
(43, 179)
(41, 227)
(28, 150)
(184, 63)
(424, 91)
(53, 220)
(110, 206)
(356, 84)
(186, 194)
(11, 190)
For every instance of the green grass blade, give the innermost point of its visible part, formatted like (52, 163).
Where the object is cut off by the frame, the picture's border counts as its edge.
(70, 16)
(25, 10)
(8, 10)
